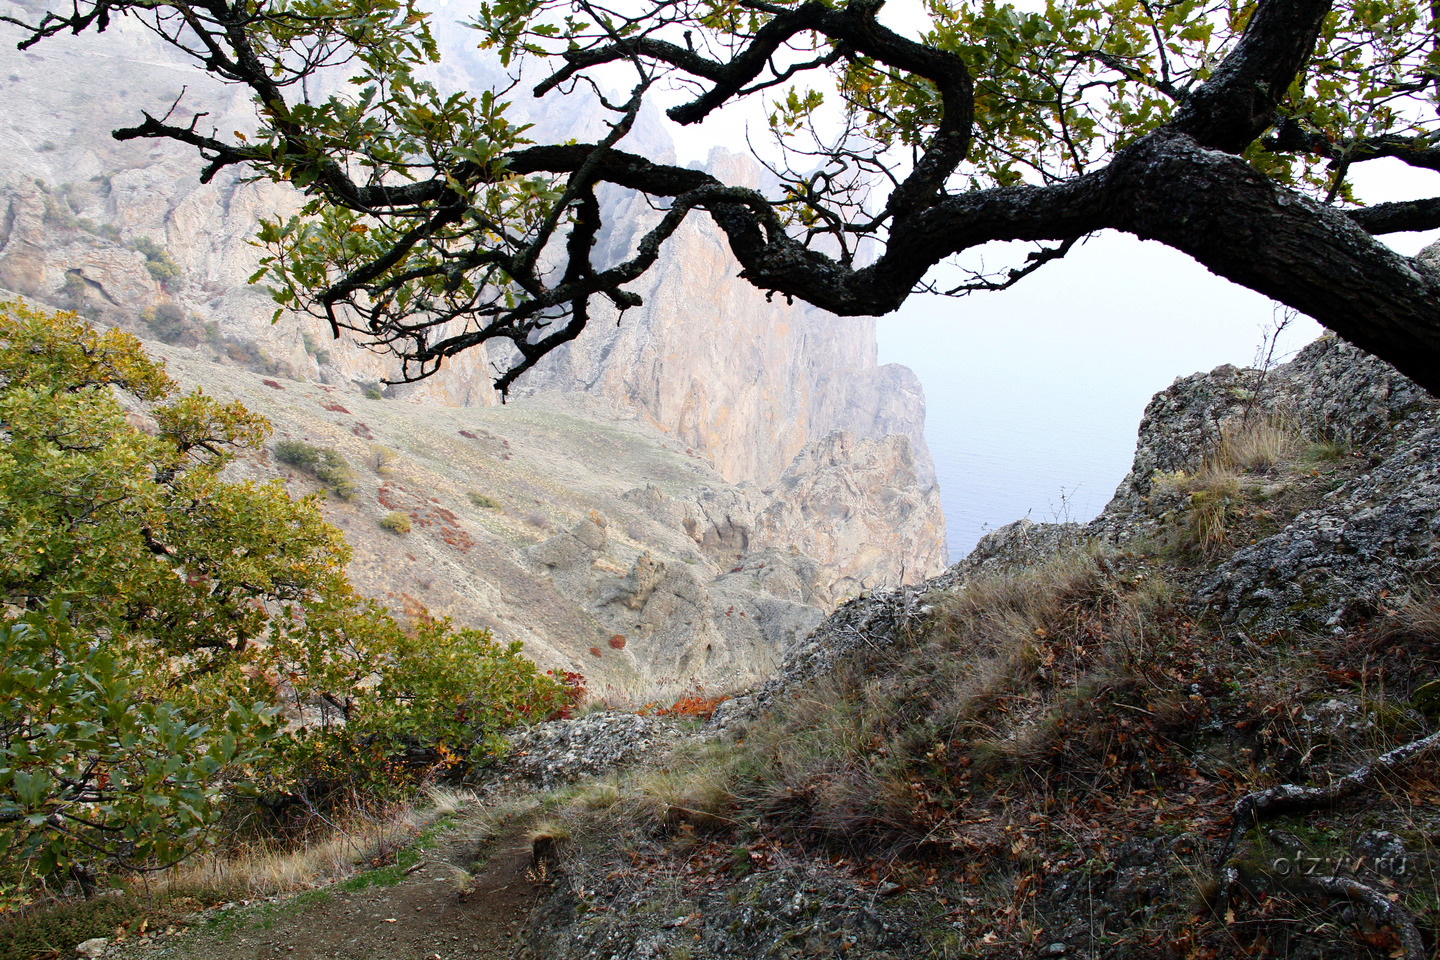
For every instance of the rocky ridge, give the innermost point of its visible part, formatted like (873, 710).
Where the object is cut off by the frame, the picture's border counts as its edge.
(820, 484)
(1371, 532)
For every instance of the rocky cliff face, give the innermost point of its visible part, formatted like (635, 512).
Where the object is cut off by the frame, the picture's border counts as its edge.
(123, 232)
(745, 379)
(846, 500)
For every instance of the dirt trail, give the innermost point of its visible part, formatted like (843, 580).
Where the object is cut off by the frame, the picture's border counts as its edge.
(434, 912)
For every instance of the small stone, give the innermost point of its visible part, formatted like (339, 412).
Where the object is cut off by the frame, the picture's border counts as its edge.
(93, 947)
(1055, 949)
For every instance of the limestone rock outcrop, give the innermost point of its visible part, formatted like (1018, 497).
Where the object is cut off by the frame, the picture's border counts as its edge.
(1373, 535)
(559, 751)
(837, 516)
(1345, 553)
(847, 501)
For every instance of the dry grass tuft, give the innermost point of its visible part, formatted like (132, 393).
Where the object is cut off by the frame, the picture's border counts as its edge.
(1258, 444)
(265, 868)
(696, 790)
(448, 801)
(1247, 449)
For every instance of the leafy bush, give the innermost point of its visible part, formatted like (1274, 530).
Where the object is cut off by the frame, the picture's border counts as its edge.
(396, 522)
(134, 694)
(158, 261)
(248, 354)
(171, 323)
(451, 690)
(93, 762)
(482, 501)
(52, 930)
(297, 453)
(325, 464)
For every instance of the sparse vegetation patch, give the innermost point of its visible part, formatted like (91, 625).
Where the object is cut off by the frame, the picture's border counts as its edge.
(327, 466)
(396, 522)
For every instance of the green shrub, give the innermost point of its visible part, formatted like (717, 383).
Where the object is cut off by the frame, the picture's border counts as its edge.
(325, 464)
(92, 762)
(482, 501)
(373, 393)
(170, 323)
(396, 522)
(297, 453)
(249, 355)
(55, 929)
(134, 698)
(157, 260)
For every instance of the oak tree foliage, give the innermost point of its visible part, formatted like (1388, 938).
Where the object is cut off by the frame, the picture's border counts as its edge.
(168, 635)
(1228, 129)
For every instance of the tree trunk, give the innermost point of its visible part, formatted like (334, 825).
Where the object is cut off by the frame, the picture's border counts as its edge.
(1314, 258)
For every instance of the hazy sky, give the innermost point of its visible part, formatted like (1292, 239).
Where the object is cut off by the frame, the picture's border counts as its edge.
(1033, 396)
